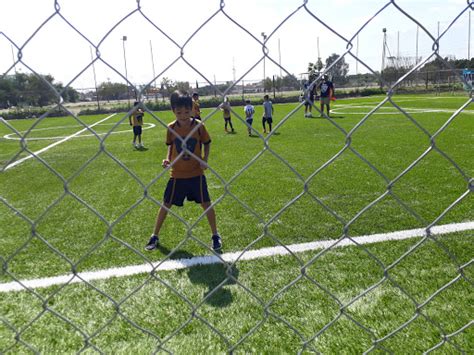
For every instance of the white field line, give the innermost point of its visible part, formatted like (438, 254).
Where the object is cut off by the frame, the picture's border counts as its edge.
(55, 143)
(12, 136)
(227, 257)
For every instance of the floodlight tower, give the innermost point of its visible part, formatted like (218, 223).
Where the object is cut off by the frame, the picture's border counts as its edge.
(384, 45)
(264, 76)
(124, 38)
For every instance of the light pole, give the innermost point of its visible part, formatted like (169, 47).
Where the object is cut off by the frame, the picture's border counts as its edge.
(153, 68)
(384, 44)
(264, 76)
(124, 38)
(469, 38)
(279, 58)
(95, 80)
(13, 57)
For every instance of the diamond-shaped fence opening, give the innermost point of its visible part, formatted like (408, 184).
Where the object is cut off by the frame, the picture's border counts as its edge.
(344, 230)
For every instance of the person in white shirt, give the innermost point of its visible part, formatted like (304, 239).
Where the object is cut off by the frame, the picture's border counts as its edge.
(249, 111)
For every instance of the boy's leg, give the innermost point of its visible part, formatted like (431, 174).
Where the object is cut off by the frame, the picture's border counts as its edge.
(231, 127)
(160, 218)
(211, 216)
(263, 124)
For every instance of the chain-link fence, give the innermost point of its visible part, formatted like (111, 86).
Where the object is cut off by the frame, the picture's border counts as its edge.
(16, 335)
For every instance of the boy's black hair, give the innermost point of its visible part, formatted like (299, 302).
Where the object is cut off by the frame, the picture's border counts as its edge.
(136, 103)
(247, 101)
(266, 97)
(181, 99)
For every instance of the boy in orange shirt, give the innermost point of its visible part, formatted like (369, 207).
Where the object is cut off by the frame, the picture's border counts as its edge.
(187, 172)
(196, 109)
(136, 121)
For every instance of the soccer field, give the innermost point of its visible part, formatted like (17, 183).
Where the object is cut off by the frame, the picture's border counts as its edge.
(87, 203)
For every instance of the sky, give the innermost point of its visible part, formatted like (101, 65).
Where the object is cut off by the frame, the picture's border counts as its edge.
(62, 38)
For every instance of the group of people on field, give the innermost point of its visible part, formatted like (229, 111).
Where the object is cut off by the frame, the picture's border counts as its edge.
(326, 89)
(187, 179)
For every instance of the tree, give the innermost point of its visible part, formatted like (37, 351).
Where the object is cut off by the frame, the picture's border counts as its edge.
(314, 69)
(112, 91)
(340, 69)
(70, 95)
(167, 86)
(183, 85)
(290, 82)
(268, 84)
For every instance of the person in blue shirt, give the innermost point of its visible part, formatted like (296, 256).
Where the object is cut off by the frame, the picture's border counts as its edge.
(327, 92)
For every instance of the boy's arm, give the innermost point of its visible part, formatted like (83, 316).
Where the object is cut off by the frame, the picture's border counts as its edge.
(207, 149)
(166, 162)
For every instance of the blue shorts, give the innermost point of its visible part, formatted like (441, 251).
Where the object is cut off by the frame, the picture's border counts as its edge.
(194, 189)
(267, 119)
(249, 121)
(137, 130)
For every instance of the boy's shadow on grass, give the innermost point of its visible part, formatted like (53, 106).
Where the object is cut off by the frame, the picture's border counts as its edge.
(214, 276)
(141, 149)
(177, 254)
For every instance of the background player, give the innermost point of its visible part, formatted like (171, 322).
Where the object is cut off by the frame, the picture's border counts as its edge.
(267, 114)
(327, 92)
(309, 93)
(225, 107)
(249, 111)
(136, 121)
(196, 111)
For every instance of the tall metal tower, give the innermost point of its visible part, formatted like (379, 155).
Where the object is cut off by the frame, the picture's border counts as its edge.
(384, 45)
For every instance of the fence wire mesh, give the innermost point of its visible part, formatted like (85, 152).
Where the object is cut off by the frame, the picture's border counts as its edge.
(17, 334)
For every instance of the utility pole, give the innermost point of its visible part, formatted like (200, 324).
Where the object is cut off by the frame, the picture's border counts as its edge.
(153, 68)
(124, 38)
(215, 84)
(469, 38)
(13, 57)
(416, 55)
(317, 42)
(384, 45)
(233, 68)
(95, 80)
(357, 54)
(398, 46)
(279, 58)
(264, 39)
